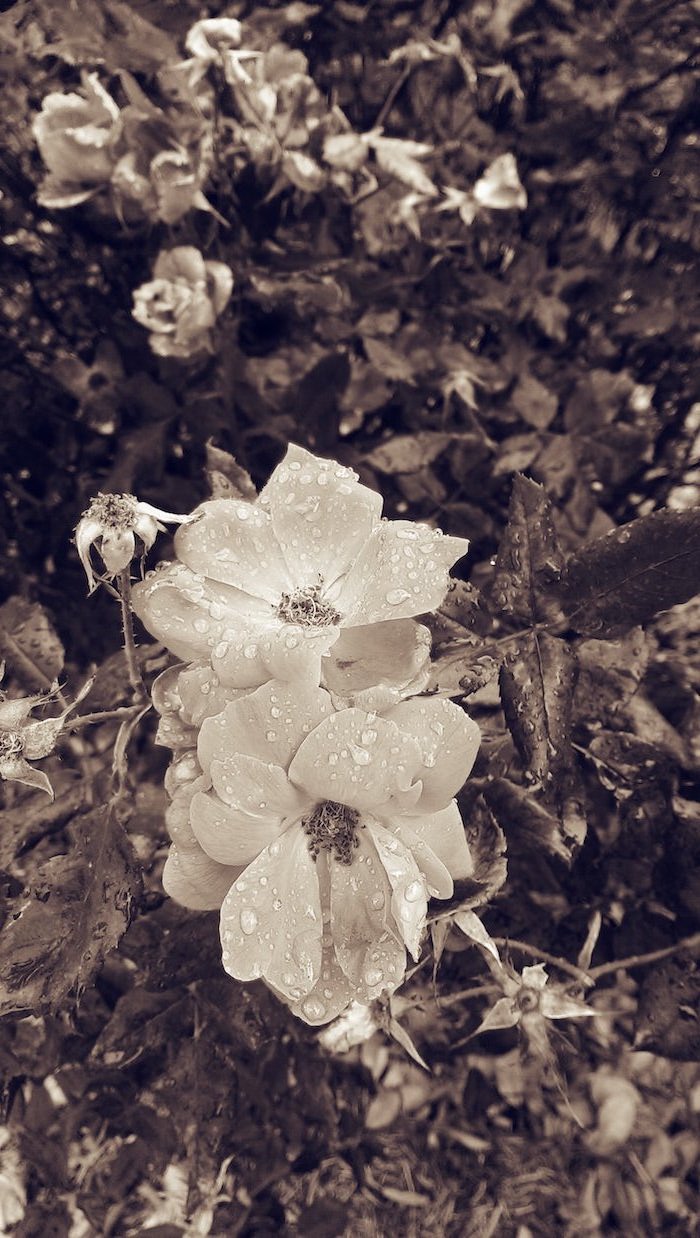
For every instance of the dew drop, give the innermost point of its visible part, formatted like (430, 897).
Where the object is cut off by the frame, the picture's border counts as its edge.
(368, 737)
(200, 625)
(413, 891)
(277, 904)
(359, 755)
(314, 1008)
(248, 921)
(396, 596)
(373, 976)
(270, 736)
(377, 900)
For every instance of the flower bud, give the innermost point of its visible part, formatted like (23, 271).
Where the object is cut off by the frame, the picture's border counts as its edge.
(112, 523)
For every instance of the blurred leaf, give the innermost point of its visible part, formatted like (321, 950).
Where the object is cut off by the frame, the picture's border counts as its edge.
(667, 1019)
(398, 157)
(625, 763)
(409, 453)
(227, 478)
(471, 926)
(29, 644)
(529, 558)
(536, 404)
(316, 402)
(76, 909)
(629, 575)
(527, 825)
(401, 1036)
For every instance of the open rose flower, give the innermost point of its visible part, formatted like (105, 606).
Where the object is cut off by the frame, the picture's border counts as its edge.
(306, 580)
(325, 832)
(77, 135)
(180, 305)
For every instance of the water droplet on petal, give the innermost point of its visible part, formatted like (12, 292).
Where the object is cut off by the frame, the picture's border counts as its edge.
(368, 737)
(413, 891)
(373, 976)
(314, 1008)
(200, 625)
(248, 920)
(359, 755)
(396, 596)
(270, 736)
(377, 900)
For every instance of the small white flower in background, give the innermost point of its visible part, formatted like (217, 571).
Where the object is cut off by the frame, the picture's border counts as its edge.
(353, 1027)
(207, 40)
(77, 136)
(499, 188)
(180, 305)
(112, 523)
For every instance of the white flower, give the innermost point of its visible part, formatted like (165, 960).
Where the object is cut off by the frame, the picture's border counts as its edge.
(77, 136)
(180, 305)
(308, 572)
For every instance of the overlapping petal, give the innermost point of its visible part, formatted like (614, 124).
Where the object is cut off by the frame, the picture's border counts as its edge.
(270, 722)
(449, 741)
(439, 843)
(197, 881)
(357, 759)
(230, 835)
(360, 895)
(271, 921)
(402, 570)
(369, 656)
(321, 515)
(409, 900)
(234, 542)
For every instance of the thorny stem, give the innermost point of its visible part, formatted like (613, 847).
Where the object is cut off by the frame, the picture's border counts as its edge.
(109, 715)
(128, 630)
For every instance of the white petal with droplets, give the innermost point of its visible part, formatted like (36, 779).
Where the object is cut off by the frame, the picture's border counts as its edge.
(401, 571)
(197, 881)
(409, 902)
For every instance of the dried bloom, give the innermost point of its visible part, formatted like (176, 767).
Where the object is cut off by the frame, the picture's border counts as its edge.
(112, 523)
(22, 740)
(77, 135)
(529, 1001)
(207, 40)
(308, 572)
(343, 823)
(180, 305)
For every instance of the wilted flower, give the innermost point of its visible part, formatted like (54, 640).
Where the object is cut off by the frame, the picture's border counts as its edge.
(162, 183)
(267, 589)
(529, 1001)
(207, 40)
(182, 302)
(22, 740)
(112, 523)
(77, 135)
(344, 824)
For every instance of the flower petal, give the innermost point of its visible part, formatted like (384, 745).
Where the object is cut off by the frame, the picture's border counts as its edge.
(234, 542)
(177, 815)
(557, 1005)
(201, 693)
(402, 570)
(409, 903)
(16, 769)
(504, 1014)
(321, 515)
(330, 995)
(439, 844)
(377, 653)
(230, 835)
(271, 922)
(360, 917)
(292, 651)
(269, 723)
(449, 740)
(356, 759)
(196, 881)
(256, 787)
(182, 262)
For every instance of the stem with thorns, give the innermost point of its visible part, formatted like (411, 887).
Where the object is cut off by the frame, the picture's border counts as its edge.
(128, 630)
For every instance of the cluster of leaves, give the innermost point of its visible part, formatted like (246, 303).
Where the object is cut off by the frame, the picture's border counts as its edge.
(442, 360)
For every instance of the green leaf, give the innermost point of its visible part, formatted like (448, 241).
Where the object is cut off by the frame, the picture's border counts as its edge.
(76, 908)
(626, 577)
(409, 453)
(529, 559)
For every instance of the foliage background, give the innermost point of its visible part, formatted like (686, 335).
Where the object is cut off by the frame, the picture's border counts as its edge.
(560, 342)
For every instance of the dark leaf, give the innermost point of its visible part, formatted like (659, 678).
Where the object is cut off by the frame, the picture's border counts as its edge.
(529, 559)
(528, 825)
(625, 763)
(409, 453)
(537, 685)
(28, 643)
(629, 575)
(536, 404)
(487, 844)
(75, 910)
(315, 403)
(667, 1017)
(227, 478)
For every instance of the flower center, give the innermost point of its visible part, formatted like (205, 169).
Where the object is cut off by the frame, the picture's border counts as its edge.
(308, 608)
(11, 744)
(527, 1000)
(114, 511)
(333, 827)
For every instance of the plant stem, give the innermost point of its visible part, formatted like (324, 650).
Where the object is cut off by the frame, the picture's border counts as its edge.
(109, 715)
(643, 960)
(128, 631)
(584, 978)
